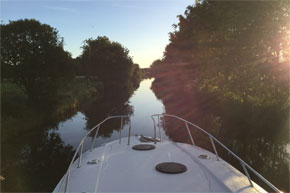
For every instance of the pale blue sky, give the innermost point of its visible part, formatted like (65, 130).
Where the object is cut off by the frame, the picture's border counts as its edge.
(140, 25)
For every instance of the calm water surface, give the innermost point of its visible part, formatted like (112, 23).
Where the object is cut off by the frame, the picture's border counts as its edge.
(143, 103)
(37, 160)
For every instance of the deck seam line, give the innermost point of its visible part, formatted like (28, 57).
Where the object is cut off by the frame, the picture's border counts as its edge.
(100, 169)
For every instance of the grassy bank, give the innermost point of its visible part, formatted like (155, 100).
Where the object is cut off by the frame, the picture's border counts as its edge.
(17, 111)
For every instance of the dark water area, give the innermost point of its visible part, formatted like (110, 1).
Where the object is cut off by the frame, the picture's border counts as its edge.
(35, 160)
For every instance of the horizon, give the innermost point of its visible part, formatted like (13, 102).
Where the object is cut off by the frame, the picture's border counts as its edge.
(141, 26)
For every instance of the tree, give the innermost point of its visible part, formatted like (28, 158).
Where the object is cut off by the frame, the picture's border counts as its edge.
(109, 62)
(234, 48)
(32, 55)
(136, 75)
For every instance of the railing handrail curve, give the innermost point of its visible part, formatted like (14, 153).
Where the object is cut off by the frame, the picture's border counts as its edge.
(225, 147)
(66, 176)
(65, 179)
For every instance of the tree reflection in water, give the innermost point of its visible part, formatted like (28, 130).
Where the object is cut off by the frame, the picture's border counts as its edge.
(34, 156)
(34, 162)
(98, 111)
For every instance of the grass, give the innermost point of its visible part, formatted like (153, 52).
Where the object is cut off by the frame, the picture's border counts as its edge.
(19, 115)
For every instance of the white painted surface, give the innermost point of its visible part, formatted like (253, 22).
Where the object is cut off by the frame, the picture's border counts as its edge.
(122, 169)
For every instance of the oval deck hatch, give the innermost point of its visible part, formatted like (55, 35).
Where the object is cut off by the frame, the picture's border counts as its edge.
(171, 168)
(143, 147)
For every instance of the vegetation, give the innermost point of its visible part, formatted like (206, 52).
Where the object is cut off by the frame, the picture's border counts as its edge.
(238, 50)
(226, 69)
(16, 109)
(32, 55)
(33, 58)
(109, 62)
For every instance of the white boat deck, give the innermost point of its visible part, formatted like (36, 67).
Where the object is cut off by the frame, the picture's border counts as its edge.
(122, 169)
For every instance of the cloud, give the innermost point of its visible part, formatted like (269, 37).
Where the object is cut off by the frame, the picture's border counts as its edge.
(63, 9)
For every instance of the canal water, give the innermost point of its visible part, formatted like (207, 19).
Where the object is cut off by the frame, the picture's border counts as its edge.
(143, 103)
(37, 160)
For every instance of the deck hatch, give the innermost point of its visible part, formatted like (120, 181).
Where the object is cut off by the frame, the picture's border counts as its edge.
(203, 156)
(145, 139)
(171, 168)
(143, 147)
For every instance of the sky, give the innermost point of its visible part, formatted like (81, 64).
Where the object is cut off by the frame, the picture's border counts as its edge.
(142, 26)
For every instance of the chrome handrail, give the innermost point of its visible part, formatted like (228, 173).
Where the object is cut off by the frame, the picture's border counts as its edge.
(65, 179)
(212, 139)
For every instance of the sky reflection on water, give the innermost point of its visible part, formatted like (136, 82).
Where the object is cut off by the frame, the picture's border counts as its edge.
(144, 104)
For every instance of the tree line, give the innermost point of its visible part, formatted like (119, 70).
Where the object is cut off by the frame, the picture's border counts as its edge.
(239, 50)
(32, 56)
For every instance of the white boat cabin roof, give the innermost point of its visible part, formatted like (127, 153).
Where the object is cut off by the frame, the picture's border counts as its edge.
(116, 167)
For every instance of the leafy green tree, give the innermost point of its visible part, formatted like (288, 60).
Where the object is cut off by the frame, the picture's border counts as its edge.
(238, 48)
(78, 67)
(32, 55)
(109, 62)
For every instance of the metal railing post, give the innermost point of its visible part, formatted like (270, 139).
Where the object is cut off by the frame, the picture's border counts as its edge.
(212, 143)
(129, 133)
(80, 158)
(159, 128)
(164, 123)
(246, 172)
(121, 128)
(154, 129)
(189, 133)
(94, 139)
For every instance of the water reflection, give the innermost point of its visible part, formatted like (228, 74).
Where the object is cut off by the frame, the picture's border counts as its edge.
(34, 163)
(139, 107)
(71, 131)
(37, 151)
(32, 155)
(145, 104)
(98, 111)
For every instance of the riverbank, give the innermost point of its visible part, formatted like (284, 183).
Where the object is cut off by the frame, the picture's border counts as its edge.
(17, 109)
